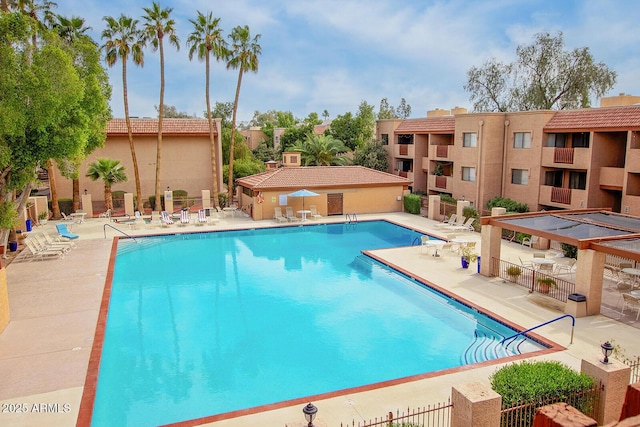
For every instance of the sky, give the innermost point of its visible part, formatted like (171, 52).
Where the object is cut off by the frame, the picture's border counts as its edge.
(331, 55)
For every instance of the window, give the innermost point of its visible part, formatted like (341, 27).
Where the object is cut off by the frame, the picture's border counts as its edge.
(405, 139)
(520, 176)
(553, 178)
(469, 139)
(469, 174)
(522, 140)
(578, 180)
(556, 140)
(385, 138)
(580, 140)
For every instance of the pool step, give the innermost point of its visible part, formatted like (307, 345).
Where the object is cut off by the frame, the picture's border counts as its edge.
(488, 347)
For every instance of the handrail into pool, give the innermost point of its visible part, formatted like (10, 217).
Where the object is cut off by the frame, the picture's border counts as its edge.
(573, 324)
(353, 218)
(104, 229)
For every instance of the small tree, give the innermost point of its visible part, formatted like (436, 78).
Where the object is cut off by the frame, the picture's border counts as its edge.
(372, 155)
(110, 172)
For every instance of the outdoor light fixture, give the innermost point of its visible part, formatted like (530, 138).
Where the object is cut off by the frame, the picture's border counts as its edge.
(85, 191)
(607, 349)
(309, 412)
(168, 189)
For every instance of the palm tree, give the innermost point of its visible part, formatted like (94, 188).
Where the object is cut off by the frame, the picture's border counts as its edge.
(321, 150)
(206, 39)
(124, 38)
(70, 29)
(111, 172)
(40, 11)
(243, 57)
(158, 24)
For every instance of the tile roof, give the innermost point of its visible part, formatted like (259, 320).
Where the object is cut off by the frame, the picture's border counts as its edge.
(428, 125)
(596, 119)
(169, 127)
(319, 177)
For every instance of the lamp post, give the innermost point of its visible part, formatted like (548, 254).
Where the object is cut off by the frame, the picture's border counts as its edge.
(607, 349)
(309, 412)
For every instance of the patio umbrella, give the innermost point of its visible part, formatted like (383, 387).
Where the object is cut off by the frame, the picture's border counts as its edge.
(303, 193)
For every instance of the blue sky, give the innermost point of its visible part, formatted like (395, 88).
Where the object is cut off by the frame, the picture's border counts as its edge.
(334, 54)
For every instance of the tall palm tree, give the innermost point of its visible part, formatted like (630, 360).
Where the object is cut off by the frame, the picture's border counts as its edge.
(110, 172)
(158, 24)
(41, 12)
(123, 39)
(243, 57)
(70, 29)
(321, 150)
(206, 39)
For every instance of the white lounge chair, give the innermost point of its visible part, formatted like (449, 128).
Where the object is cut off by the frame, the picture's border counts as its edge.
(202, 217)
(290, 215)
(165, 220)
(184, 217)
(314, 212)
(43, 253)
(277, 214)
(449, 222)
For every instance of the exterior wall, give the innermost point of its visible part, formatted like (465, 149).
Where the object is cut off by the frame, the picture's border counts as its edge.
(254, 137)
(358, 200)
(619, 100)
(186, 165)
(388, 127)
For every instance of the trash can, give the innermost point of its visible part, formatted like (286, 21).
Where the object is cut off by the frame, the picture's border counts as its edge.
(29, 225)
(13, 246)
(478, 265)
(576, 305)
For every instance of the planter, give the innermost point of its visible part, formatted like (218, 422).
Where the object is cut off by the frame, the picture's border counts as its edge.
(13, 246)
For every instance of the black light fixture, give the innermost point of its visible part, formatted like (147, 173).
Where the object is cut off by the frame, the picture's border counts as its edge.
(309, 412)
(168, 189)
(85, 192)
(607, 349)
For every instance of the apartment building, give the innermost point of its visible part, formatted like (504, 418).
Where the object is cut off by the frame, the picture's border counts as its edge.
(587, 158)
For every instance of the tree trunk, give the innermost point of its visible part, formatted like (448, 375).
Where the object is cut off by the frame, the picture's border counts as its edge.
(52, 188)
(108, 199)
(233, 136)
(76, 194)
(130, 133)
(160, 118)
(212, 139)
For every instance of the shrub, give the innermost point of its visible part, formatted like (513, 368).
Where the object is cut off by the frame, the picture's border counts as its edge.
(444, 197)
(570, 251)
(412, 204)
(471, 212)
(541, 382)
(509, 204)
(65, 205)
(118, 198)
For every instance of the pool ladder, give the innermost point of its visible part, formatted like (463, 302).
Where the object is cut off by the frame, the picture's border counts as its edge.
(104, 229)
(352, 218)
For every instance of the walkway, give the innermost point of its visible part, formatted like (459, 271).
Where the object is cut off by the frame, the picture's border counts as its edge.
(44, 351)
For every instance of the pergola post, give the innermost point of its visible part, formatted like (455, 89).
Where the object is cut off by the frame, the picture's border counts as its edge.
(489, 247)
(589, 273)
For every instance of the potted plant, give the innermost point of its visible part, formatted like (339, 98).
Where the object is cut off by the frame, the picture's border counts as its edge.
(514, 272)
(467, 255)
(43, 217)
(545, 284)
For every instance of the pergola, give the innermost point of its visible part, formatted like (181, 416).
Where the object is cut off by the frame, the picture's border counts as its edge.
(595, 232)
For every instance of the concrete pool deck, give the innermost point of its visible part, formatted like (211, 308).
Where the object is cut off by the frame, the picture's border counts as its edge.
(45, 350)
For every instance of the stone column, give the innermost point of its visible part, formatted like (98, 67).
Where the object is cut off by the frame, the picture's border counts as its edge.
(589, 272)
(475, 404)
(206, 199)
(168, 201)
(434, 208)
(128, 204)
(614, 378)
(489, 247)
(460, 207)
(498, 211)
(87, 205)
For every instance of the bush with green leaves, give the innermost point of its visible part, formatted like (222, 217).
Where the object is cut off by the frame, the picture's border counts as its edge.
(65, 205)
(412, 203)
(509, 204)
(570, 251)
(542, 382)
(444, 197)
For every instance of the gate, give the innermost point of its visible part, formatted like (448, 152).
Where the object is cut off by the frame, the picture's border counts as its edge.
(334, 204)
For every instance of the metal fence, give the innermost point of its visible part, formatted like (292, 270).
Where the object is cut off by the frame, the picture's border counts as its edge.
(634, 364)
(528, 278)
(523, 413)
(438, 415)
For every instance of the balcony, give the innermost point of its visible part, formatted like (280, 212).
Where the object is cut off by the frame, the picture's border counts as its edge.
(440, 183)
(439, 152)
(569, 158)
(565, 198)
(403, 149)
(611, 178)
(561, 195)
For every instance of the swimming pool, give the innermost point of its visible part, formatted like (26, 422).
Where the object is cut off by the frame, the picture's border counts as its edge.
(208, 323)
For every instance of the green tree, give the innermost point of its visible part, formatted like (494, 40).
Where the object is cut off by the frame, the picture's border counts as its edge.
(543, 77)
(372, 155)
(386, 111)
(321, 150)
(353, 131)
(171, 112)
(244, 57)
(265, 153)
(123, 39)
(110, 172)
(325, 114)
(158, 25)
(206, 40)
(294, 135)
(404, 110)
(224, 111)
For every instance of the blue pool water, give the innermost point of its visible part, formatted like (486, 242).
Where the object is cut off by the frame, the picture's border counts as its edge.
(202, 324)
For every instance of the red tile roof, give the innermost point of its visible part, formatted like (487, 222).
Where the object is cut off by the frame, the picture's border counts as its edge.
(319, 177)
(428, 125)
(169, 127)
(596, 119)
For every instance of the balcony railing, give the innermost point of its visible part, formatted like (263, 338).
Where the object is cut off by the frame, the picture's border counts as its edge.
(404, 149)
(441, 182)
(403, 174)
(561, 195)
(563, 155)
(442, 151)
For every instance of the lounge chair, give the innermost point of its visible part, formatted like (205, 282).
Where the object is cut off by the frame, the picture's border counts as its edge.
(290, 215)
(202, 217)
(447, 223)
(184, 217)
(63, 231)
(65, 217)
(57, 239)
(165, 220)
(466, 226)
(41, 243)
(277, 214)
(43, 253)
(314, 212)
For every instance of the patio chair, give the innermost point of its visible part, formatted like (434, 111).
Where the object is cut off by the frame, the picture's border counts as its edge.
(466, 226)
(529, 241)
(165, 219)
(65, 217)
(632, 302)
(57, 239)
(105, 214)
(526, 264)
(42, 244)
(447, 223)
(546, 268)
(290, 215)
(202, 217)
(43, 253)
(314, 212)
(424, 245)
(566, 267)
(63, 231)
(184, 217)
(277, 214)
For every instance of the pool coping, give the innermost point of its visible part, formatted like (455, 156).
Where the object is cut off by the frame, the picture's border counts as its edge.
(85, 412)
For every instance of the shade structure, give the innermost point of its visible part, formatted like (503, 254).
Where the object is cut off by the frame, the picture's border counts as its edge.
(303, 193)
